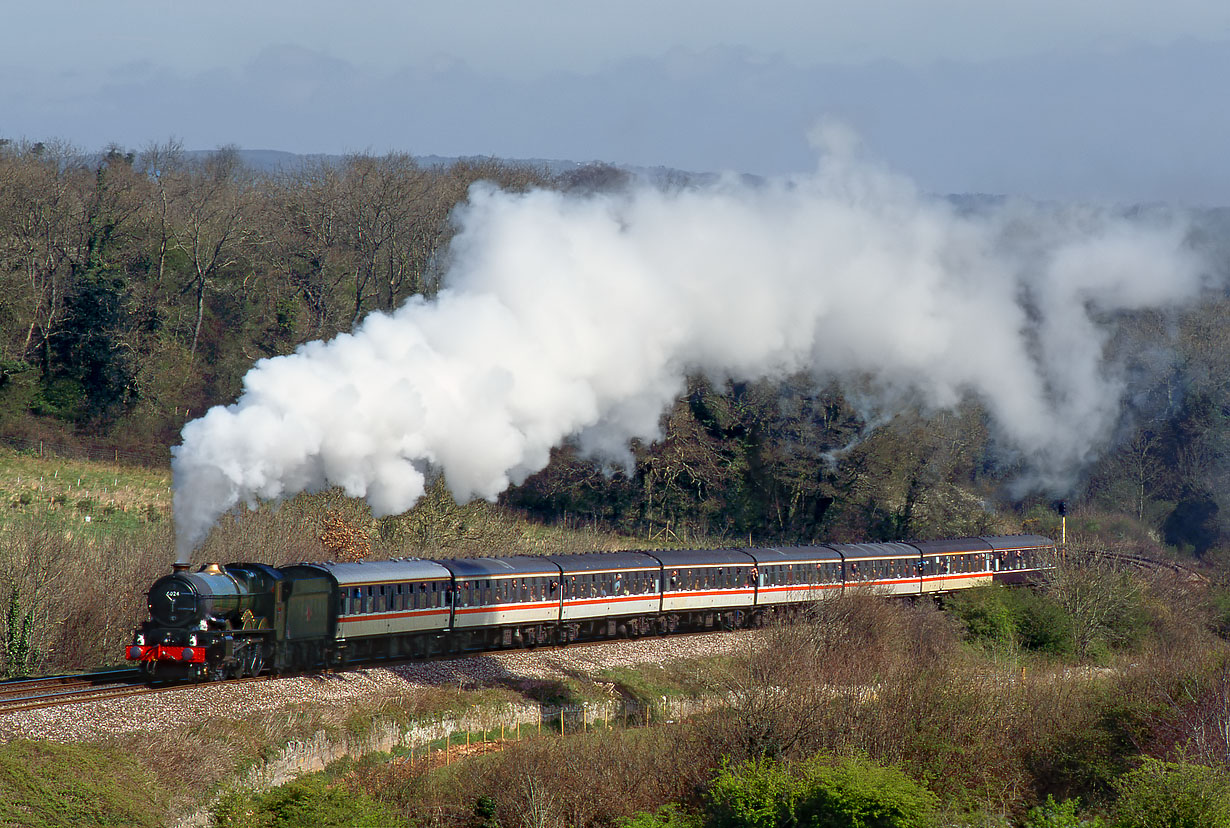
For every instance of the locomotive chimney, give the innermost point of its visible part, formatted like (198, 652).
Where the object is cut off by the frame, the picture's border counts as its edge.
(177, 568)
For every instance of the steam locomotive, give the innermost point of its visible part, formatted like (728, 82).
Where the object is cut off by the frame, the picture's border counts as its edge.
(242, 619)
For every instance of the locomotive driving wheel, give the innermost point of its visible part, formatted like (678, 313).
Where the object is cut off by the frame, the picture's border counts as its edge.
(254, 661)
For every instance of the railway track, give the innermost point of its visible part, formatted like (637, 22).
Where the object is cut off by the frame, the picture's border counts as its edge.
(1148, 564)
(53, 691)
(18, 695)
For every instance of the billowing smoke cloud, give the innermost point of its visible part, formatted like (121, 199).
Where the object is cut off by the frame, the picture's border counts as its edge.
(581, 316)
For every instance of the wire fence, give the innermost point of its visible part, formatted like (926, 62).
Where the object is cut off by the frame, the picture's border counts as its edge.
(159, 457)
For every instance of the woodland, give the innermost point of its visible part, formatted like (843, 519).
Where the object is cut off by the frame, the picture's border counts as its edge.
(138, 287)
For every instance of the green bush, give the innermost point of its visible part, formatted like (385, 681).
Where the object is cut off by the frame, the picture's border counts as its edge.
(310, 802)
(986, 615)
(668, 816)
(759, 793)
(1003, 618)
(819, 793)
(1172, 795)
(1052, 814)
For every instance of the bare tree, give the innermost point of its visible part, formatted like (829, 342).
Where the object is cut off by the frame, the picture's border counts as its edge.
(210, 204)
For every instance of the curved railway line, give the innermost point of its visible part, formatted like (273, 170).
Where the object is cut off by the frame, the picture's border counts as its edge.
(51, 691)
(17, 695)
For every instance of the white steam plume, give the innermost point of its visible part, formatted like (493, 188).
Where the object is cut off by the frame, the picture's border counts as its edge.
(581, 316)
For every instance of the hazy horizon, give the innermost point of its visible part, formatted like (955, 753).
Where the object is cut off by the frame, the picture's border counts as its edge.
(1103, 102)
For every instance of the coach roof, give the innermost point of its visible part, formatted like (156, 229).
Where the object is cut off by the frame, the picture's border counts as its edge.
(955, 546)
(859, 551)
(702, 557)
(378, 572)
(1003, 543)
(604, 561)
(526, 565)
(791, 554)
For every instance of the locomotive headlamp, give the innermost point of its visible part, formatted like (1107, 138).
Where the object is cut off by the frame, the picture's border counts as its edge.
(204, 625)
(192, 639)
(140, 639)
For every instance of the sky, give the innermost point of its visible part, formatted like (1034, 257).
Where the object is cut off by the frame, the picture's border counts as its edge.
(1098, 100)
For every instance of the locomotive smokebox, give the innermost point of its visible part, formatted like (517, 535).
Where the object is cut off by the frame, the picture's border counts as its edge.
(179, 567)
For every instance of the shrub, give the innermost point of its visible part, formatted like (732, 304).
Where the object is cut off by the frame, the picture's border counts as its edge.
(1052, 814)
(985, 615)
(1172, 795)
(310, 802)
(819, 793)
(668, 816)
(1000, 617)
(759, 793)
(857, 793)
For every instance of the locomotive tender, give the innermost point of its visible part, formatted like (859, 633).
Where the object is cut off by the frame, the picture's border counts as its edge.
(243, 618)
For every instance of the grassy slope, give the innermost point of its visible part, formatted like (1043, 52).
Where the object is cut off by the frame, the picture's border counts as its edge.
(93, 502)
(81, 497)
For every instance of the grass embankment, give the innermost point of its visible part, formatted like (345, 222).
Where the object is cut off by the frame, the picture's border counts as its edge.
(81, 498)
(45, 785)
